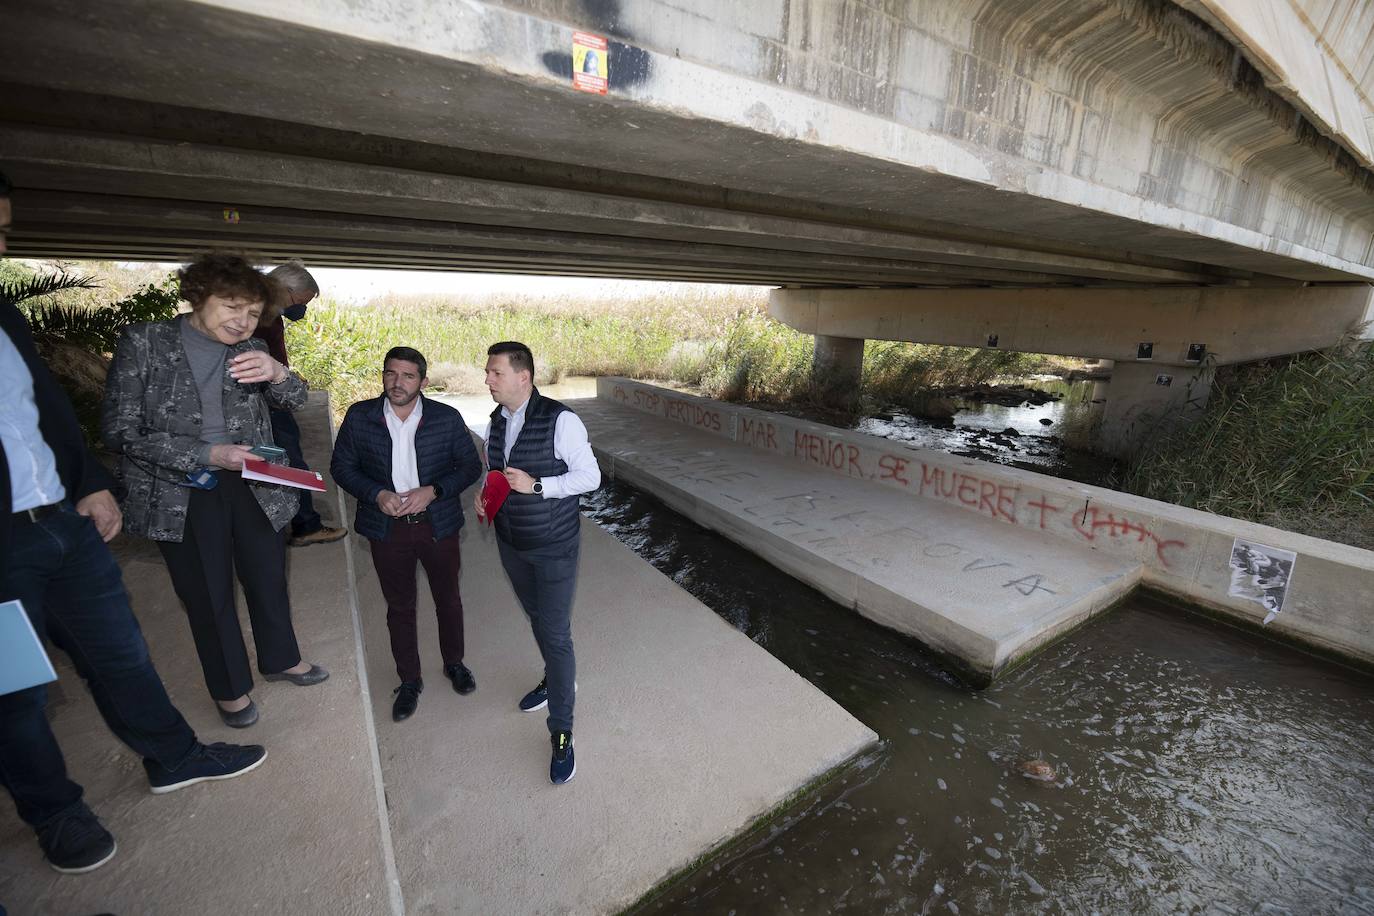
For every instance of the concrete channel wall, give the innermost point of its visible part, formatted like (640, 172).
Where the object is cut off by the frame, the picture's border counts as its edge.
(1329, 599)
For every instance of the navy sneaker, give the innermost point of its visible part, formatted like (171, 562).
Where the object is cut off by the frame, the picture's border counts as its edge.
(74, 842)
(537, 698)
(206, 763)
(563, 766)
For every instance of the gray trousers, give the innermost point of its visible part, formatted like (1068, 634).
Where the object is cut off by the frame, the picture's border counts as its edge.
(544, 579)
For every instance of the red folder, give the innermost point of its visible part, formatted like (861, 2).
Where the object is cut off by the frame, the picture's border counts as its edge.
(267, 472)
(494, 493)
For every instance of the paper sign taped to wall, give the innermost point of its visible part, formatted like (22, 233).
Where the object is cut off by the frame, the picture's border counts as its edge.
(591, 64)
(1261, 574)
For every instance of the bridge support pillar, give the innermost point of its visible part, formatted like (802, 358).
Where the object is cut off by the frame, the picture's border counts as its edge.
(837, 368)
(1147, 400)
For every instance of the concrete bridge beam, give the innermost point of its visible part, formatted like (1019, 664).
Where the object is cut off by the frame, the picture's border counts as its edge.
(1172, 325)
(1112, 140)
(1164, 340)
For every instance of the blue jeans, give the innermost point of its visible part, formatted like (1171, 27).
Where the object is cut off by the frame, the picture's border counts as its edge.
(544, 579)
(73, 592)
(287, 434)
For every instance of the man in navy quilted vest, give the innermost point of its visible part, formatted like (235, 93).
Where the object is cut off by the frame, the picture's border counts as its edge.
(542, 448)
(407, 459)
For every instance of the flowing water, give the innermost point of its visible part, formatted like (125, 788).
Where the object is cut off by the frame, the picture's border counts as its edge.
(1191, 768)
(1051, 438)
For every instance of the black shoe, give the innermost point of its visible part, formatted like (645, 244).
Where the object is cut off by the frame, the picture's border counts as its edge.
(245, 717)
(537, 698)
(407, 698)
(462, 678)
(206, 763)
(563, 766)
(315, 675)
(73, 841)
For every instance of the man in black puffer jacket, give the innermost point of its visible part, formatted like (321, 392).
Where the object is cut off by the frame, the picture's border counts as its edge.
(542, 447)
(406, 459)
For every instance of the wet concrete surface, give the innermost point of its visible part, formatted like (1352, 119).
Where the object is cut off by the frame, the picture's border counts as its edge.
(1192, 767)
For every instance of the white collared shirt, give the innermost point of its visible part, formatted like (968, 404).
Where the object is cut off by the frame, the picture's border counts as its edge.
(570, 446)
(404, 474)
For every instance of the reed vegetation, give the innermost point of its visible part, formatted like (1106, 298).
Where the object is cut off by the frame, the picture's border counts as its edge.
(722, 344)
(1287, 442)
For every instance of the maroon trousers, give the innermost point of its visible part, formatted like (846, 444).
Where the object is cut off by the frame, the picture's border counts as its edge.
(395, 560)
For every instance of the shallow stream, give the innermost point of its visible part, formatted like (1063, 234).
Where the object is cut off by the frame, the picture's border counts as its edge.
(1051, 438)
(1195, 768)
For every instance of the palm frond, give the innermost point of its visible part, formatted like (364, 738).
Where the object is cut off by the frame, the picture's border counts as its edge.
(92, 328)
(17, 291)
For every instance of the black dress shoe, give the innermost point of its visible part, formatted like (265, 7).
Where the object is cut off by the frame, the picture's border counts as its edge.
(315, 675)
(462, 678)
(243, 718)
(407, 698)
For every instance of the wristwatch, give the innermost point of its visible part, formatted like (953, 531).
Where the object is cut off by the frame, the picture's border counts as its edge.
(538, 487)
(438, 491)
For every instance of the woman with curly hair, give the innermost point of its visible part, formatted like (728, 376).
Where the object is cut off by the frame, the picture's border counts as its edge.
(185, 402)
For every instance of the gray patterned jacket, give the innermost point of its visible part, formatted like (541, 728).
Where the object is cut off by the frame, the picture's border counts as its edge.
(151, 416)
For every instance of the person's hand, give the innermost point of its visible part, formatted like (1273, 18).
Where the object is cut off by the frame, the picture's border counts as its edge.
(480, 505)
(390, 503)
(416, 500)
(230, 457)
(256, 366)
(520, 482)
(100, 507)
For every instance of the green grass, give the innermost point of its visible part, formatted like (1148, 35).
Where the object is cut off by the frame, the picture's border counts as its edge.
(1288, 442)
(726, 346)
(341, 347)
(763, 361)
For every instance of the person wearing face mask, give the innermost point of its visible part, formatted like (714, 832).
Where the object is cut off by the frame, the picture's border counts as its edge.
(185, 401)
(307, 527)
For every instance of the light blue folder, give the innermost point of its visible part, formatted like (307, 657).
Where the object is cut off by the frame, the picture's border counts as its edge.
(23, 663)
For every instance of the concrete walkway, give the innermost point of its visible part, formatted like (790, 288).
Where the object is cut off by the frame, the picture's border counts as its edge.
(687, 732)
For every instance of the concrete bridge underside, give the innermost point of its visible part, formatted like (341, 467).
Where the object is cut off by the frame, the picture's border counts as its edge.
(794, 142)
(1059, 146)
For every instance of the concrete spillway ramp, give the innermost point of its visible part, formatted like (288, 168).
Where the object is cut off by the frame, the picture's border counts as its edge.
(982, 562)
(980, 592)
(687, 733)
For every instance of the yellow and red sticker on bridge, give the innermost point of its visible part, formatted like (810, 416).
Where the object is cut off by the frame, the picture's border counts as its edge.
(590, 62)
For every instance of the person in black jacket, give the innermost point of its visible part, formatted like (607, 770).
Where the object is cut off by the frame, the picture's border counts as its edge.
(56, 514)
(406, 459)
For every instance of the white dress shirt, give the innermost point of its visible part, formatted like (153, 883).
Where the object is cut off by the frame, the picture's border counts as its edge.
(570, 446)
(404, 475)
(33, 467)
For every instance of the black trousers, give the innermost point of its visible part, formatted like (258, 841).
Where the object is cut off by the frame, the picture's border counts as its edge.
(226, 533)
